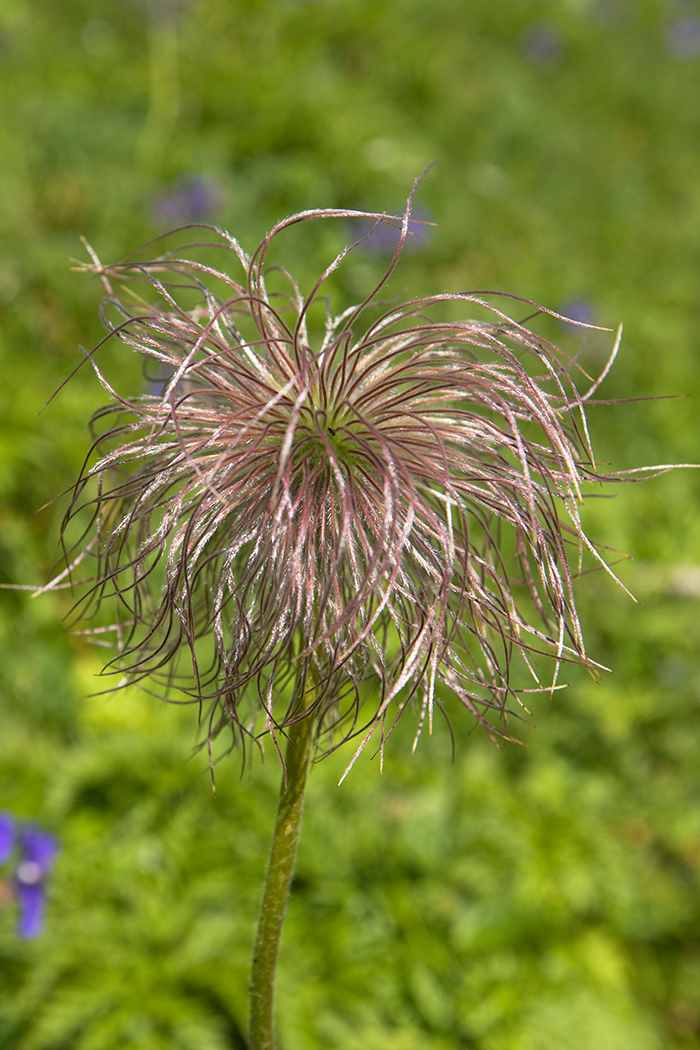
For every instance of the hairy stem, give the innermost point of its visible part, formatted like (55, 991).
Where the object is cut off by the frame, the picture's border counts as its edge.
(279, 876)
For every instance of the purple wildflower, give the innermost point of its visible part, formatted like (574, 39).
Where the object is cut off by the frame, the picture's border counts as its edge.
(382, 238)
(336, 522)
(165, 12)
(683, 38)
(7, 836)
(543, 45)
(579, 311)
(36, 854)
(194, 199)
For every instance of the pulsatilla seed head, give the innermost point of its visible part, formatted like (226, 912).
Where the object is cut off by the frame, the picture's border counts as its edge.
(336, 523)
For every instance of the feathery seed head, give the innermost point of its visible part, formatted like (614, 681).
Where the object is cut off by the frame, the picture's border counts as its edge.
(332, 525)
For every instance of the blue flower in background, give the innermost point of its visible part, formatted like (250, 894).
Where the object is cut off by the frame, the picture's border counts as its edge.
(543, 45)
(33, 853)
(193, 199)
(683, 38)
(7, 836)
(382, 238)
(580, 310)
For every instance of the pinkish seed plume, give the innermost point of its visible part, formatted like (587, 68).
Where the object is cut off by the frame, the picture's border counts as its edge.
(388, 508)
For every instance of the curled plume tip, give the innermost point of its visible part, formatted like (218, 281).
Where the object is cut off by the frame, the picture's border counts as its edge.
(336, 519)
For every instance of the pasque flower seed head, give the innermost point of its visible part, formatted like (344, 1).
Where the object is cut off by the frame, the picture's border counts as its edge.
(387, 507)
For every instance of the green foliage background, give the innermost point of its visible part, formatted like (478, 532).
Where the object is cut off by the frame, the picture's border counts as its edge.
(544, 897)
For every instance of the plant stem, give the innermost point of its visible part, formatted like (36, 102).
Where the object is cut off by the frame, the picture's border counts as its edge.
(277, 882)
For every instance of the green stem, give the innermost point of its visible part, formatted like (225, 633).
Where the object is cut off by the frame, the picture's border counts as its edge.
(277, 882)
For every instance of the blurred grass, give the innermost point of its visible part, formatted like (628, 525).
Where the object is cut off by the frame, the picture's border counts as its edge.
(547, 896)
